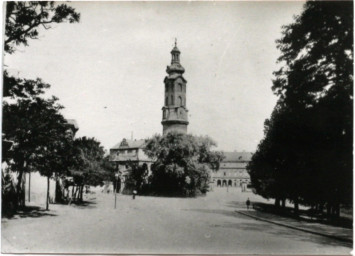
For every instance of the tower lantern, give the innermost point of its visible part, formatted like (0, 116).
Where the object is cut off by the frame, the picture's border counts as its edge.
(174, 109)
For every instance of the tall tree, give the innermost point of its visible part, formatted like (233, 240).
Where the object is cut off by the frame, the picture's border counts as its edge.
(37, 131)
(311, 135)
(29, 120)
(91, 166)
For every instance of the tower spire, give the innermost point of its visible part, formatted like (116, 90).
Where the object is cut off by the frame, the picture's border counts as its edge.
(175, 66)
(175, 113)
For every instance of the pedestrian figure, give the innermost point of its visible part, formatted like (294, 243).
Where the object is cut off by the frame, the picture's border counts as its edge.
(248, 203)
(134, 194)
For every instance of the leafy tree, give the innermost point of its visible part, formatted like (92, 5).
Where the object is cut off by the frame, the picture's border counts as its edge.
(137, 178)
(37, 131)
(30, 121)
(308, 140)
(91, 167)
(23, 20)
(182, 163)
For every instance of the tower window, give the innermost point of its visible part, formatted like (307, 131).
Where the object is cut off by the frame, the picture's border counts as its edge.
(172, 100)
(180, 87)
(166, 101)
(180, 101)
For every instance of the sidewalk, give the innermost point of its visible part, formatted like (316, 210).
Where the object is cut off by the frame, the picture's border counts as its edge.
(339, 233)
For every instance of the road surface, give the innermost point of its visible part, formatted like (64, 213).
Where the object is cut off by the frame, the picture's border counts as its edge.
(158, 225)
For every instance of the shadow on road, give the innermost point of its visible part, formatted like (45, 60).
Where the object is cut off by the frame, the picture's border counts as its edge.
(248, 224)
(286, 233)
(236, 204)
(229, 213)
(29, 212)
(85, 204)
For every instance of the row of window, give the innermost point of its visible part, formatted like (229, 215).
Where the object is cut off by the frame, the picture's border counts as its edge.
(127, 151)
(234, 173)
(170, 88)
(179, 114)
(180, 101)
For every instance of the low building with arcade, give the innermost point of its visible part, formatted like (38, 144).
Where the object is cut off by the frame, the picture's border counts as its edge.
(232, 171)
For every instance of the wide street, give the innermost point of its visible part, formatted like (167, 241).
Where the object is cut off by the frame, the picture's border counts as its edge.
(158, 225)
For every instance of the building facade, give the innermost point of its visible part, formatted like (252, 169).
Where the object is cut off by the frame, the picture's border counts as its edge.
(175, 113)
(129, 152)
(232, 171)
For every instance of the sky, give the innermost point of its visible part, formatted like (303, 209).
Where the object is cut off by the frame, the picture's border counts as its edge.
(108, 69)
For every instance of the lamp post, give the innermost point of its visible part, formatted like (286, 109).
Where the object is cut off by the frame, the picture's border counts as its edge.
(116, 179)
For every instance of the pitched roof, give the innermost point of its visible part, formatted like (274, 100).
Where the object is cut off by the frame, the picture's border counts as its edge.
(125, 144)
(237, 156)
(73, 123)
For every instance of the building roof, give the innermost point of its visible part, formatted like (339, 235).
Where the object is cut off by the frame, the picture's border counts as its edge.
(73, 123)
(126, 144)
(237, 156)
(175, 49)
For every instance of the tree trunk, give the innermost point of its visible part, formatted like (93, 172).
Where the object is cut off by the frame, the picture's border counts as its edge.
(29, 187)
(47, 201)
(19, 189)
(283, 203)
(277, 202)
(337, 210)
(20, 186)
(329, 209)
(72, 192)
(76, 193)
(81, 193)
(296, 206)
(58, 191)
(321, 207)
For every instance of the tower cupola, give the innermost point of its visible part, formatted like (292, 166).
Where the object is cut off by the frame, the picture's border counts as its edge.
(175, 66)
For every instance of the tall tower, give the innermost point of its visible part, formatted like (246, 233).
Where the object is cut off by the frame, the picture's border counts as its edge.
(174, 110)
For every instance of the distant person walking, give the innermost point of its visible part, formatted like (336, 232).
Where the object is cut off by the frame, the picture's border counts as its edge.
(248, 203)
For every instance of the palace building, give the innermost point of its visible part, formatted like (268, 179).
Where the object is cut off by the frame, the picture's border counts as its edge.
(232, 171)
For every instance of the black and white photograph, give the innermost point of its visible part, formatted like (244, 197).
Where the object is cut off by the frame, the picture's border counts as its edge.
(177, 127)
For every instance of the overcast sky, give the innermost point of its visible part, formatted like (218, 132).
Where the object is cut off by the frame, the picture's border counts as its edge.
(108, 70)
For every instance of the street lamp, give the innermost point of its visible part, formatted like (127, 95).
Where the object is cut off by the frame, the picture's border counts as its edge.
(116, 179)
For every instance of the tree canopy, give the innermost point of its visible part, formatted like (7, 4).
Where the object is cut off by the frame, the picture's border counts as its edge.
(24, 19)
(306, 153)
(182, 163)
(38, 134)
(90, 166)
